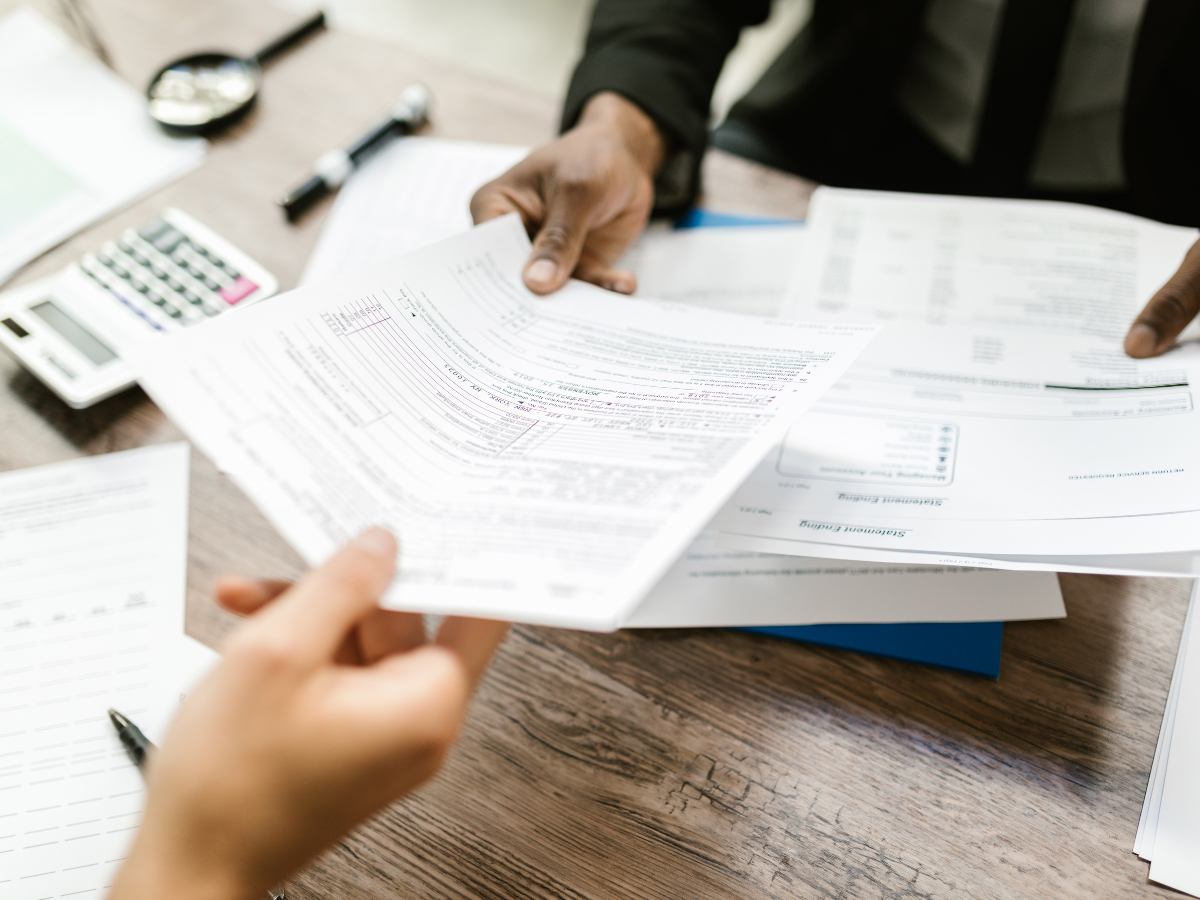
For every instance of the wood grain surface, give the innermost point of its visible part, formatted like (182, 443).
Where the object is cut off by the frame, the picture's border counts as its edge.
(658, 764)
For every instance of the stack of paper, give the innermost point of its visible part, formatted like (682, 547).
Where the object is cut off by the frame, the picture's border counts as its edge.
(543, 459)
(75, 141)
(996, 421)
(92, 567)
(411, 194)
(711, 586)
(1169, 832)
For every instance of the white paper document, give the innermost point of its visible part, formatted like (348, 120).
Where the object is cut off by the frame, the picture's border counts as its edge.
(92, 571)
(713, 587)
(419, 190)
(76, 142)
(997, 415)
(1171, 565)
(740, 269)
(1169, 832)
(1029, 265)
(746, 269)
(1143, 844)
(414, 192)
(540, 459)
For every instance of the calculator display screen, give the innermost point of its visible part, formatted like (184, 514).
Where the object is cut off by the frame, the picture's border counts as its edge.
(74, 333)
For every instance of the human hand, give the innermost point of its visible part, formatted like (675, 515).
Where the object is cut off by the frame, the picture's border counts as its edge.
(325, 709)
(1168, 312)
(586, 196)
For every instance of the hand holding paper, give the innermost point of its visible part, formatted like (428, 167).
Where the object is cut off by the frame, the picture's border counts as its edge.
(544, 460)
(325, 709)
(1172, 308)
(997, 416)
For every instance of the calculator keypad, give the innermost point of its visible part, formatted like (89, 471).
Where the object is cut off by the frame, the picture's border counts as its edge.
(167, 277)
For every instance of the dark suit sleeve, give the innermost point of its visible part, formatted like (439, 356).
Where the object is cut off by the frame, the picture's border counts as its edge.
(665, 56)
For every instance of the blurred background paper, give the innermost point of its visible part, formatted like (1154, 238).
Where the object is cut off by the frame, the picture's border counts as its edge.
(1169, 831)
(714, 587)
(93, 570)
(414, 192)
(75, 141)
(738, 266)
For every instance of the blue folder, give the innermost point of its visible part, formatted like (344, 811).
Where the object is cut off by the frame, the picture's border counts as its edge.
(963, 646)
(706, 218)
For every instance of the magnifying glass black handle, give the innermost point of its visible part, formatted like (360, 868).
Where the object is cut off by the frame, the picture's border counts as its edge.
(297, 34)
(303, 198)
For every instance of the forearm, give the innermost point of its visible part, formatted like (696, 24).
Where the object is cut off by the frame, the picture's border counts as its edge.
(148, 875)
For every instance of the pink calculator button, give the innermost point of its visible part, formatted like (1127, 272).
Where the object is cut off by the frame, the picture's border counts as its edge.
(239, 290)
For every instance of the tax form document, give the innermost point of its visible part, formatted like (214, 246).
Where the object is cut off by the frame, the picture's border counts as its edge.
(1030, 265)
(539, 459)
(92, 571)
(997, 415)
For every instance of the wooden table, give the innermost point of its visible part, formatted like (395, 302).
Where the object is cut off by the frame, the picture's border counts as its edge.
(668, 764)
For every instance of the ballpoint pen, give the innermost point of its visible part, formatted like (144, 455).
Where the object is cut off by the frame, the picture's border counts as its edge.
(137, 745)
(408, 115)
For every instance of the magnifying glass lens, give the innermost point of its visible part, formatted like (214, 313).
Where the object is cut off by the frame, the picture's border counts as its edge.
(193, 93)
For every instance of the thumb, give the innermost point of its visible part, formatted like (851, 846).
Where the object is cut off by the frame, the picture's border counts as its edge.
(317, 614)
(1169, 310)
(245, 596)
(559, 242)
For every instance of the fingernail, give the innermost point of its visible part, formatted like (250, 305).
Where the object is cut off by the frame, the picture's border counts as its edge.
(621, 285)
(1142, 340)
(377, 541)
(541, 270)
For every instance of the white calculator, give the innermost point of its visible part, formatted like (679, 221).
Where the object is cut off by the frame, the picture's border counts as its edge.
(70, 329)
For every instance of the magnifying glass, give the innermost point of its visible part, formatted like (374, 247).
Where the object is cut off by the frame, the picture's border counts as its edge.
(205, 91)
